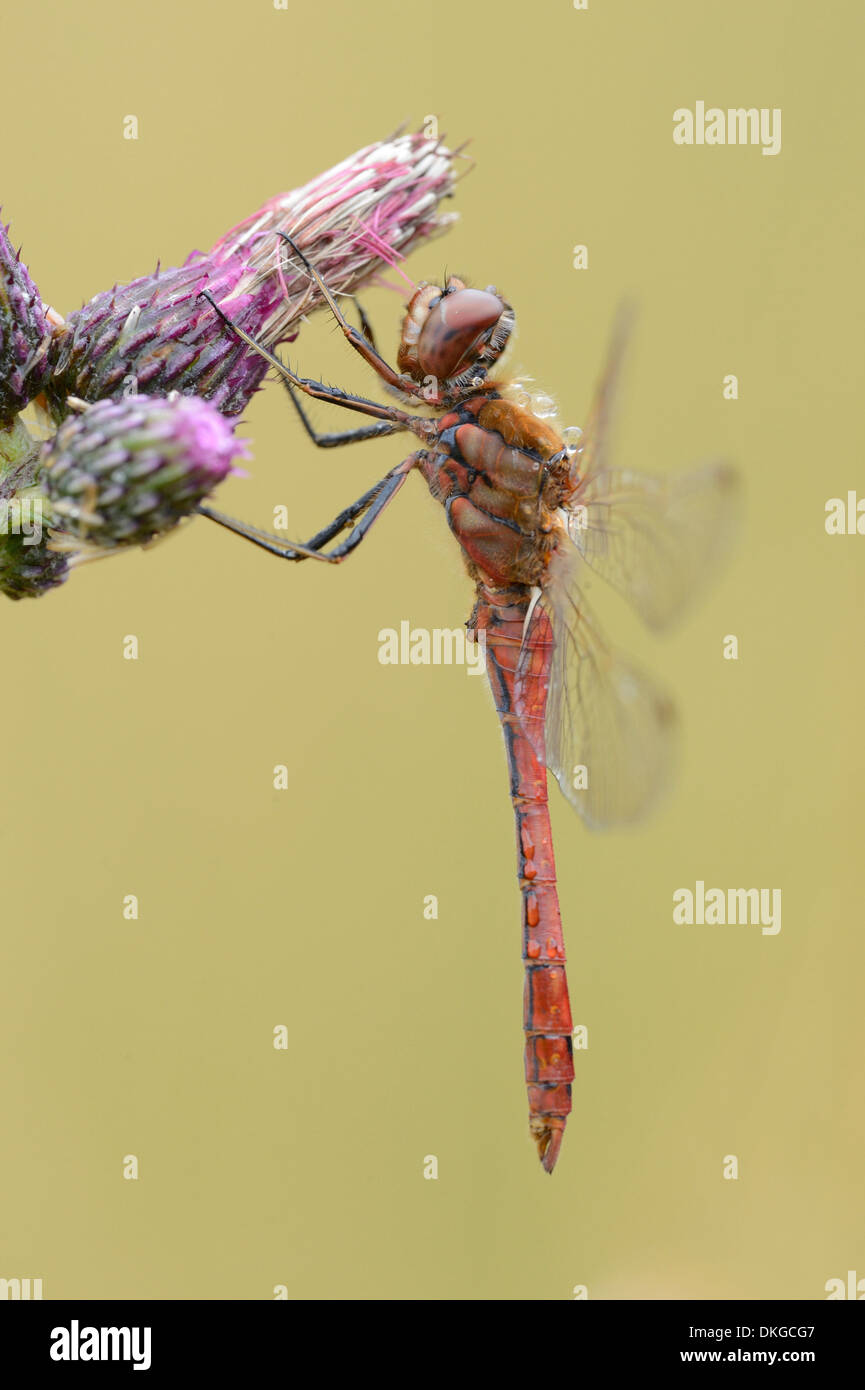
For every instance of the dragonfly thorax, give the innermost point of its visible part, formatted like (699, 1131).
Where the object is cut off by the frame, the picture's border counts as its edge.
(494, 470)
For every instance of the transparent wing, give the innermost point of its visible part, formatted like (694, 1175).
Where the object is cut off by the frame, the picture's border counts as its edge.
(609, 733)
(657, 540)
(592, 450)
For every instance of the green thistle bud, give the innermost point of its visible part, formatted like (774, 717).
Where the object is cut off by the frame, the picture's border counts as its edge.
(123, 472)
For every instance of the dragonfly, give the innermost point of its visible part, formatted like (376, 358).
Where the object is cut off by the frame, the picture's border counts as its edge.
(534, 512)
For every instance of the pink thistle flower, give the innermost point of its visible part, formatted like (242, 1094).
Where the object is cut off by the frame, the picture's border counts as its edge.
(372, 208)
(158, 334)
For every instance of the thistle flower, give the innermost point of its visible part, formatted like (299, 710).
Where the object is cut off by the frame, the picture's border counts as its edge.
(372, 208)
(123, 472)
(146, 451)
(158, 334)
(24, 333)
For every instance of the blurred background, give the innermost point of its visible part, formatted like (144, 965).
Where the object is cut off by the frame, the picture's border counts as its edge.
(304, 1167)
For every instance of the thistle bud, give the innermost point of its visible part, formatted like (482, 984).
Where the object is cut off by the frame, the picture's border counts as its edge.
(24, 334)
(158, 334)
(123, 472)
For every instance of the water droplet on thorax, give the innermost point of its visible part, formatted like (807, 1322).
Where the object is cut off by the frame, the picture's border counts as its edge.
(571, 438)
(543, 406)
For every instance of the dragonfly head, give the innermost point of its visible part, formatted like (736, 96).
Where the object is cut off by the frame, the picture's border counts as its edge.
(453, 334)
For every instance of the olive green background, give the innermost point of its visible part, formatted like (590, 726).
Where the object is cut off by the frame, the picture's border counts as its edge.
(305, 908)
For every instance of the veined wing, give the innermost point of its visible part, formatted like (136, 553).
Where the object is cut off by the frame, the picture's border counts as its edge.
(609, 733)
(590, 454)
(657, 540)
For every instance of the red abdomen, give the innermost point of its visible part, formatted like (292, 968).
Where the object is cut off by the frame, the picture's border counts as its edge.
(546, 1009)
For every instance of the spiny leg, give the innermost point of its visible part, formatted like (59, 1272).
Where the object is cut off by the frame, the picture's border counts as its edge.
(424, 429)
(369, 499)
(334, 441)
(272, 544)
(382, 494)
(366, 326)
(366, 511)
(353, 336)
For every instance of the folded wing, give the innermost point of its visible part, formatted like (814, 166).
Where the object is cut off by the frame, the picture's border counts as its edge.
(609, 732)
(602, 726)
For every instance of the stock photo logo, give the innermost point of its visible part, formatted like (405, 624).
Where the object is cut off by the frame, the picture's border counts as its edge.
(24, 517)
(735, 126)
(418, 646)
(714, 907)
(77, 1343)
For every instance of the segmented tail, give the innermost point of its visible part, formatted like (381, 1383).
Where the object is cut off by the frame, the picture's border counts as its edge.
(546, 1008)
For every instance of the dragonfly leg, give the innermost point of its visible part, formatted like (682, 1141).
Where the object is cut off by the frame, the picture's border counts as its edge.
(334, 441)
(424, 429)
(364, 512)
(366, 326)
(354, 337)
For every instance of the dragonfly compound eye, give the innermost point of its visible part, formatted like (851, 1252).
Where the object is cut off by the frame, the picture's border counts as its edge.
(457, 324)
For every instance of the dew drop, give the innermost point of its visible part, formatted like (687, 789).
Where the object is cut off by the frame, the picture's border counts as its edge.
(571, 437)
(543, 406)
